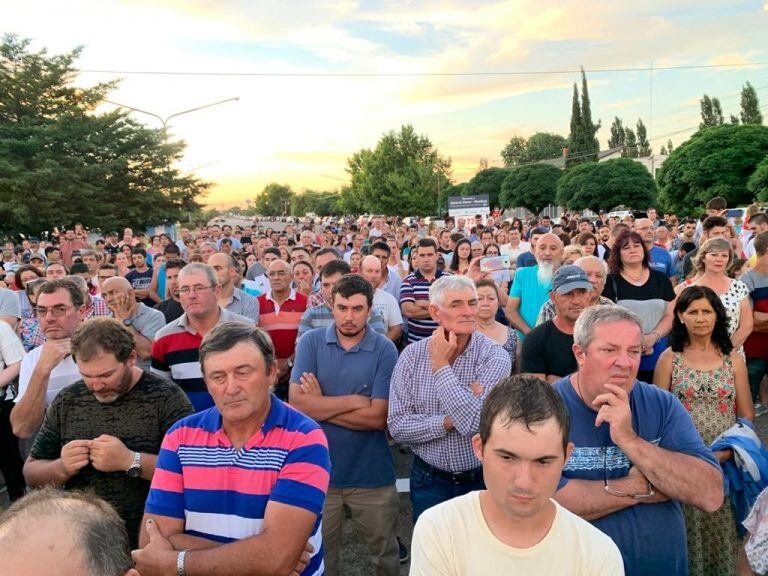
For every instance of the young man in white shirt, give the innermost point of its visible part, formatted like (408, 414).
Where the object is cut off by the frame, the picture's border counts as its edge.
(514, 526)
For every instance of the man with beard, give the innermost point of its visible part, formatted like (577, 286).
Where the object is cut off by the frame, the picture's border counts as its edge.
(546, 353)
(341, 379)
(103, 433)
(530, 289)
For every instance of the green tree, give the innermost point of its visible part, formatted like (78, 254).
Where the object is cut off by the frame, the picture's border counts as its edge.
(544, 146)
(758, 182)
(274, 200)
(619, 182)
(322, 203)
(532, 187)
(713, 162)
(711, 112)
(630, 143)
(734, 119)
(61, 162)
(750, 106)
(643, 146)
(583, 145)
(514, 152)
(402, 175)
(617, 134)
(489, 182)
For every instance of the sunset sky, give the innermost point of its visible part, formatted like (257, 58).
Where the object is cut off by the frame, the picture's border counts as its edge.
(317, 81)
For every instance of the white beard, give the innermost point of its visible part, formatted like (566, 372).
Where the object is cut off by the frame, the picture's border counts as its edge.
(545, 272)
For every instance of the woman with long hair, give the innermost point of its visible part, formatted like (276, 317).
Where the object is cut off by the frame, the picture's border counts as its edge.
(123, 263)
(633, 284)
(487, 308)
(462, 256)
(588, 243)
(702, 368)
(710, 268)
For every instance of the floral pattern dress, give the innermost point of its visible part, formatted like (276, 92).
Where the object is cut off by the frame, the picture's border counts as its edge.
(710, 397)
(736, 292)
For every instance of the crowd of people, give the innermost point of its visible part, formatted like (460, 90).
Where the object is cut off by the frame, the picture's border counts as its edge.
(577, 395)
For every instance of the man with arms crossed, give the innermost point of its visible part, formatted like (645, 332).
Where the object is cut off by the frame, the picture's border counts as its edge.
(238, 488)
(514, 526)
(637, 455)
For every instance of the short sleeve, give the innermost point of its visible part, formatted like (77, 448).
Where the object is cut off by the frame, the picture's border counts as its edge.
(166, 494)
(303, 479)
(666, 291)
(533, 353)
(11, 348)
(679, 433)
(47, 444)
(609, 291)
(406, 292)
(305, 359)
(387, 360)
(516, 290)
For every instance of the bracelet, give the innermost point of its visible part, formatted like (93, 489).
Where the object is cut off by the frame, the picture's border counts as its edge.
(180, 571)
(658, 336)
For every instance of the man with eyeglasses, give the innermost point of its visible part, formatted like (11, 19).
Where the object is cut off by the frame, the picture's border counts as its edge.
(637, 454)
(47, 369)
(176, 349)
(280, 312)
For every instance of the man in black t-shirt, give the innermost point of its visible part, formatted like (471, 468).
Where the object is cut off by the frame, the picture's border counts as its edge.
(141, 276)
(547, 349)
(103, 432)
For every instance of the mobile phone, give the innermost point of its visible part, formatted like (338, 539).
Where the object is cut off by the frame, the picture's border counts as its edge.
(494, 263)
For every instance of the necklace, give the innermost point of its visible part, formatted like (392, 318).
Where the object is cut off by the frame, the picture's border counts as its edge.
(578, 387)
(633, 279)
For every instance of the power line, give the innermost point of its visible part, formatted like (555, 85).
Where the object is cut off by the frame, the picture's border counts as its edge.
(416, 74)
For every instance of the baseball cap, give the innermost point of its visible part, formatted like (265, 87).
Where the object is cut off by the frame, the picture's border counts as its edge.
(568, 278)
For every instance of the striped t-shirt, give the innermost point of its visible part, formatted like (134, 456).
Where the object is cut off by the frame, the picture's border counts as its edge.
(413, 289)
(282, 321)
(222, 493)
(176, 356)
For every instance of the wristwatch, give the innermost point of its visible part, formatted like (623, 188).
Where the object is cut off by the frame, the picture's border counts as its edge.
(135, 470)
(127, 322)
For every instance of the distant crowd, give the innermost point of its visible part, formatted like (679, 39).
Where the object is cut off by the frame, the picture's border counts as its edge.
(576, 396)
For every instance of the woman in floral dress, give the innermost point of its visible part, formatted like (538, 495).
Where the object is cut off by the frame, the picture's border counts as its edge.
(702, 369)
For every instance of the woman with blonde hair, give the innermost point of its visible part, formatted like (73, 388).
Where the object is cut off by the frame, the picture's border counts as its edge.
(710, 269)
(571, 253)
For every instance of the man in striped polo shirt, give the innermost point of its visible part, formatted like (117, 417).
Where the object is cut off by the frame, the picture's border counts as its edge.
(175, 351)
(239, 488)
(414, 292)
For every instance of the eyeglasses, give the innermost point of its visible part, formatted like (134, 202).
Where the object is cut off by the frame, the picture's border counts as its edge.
(651, 492)
(185, 290)
(58, 311)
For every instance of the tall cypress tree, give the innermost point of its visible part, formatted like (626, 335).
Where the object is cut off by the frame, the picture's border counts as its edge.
(583, 145)
(617, 134)
(643, 146)
(630, 142)
(750, 106)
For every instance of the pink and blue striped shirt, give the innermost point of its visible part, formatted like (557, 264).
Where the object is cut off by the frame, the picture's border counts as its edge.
(222, 493)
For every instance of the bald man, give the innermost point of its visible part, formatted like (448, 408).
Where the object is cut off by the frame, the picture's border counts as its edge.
(531, 286)
(383, 302)
(141, 320)
(660, 258)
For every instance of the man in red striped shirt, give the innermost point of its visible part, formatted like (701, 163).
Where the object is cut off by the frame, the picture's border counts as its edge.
(280, 311)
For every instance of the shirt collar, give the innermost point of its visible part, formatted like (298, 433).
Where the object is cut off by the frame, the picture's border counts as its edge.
(278, 413)
(368, 343)
(291, 296)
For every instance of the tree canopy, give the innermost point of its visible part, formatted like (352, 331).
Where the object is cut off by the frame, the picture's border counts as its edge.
(606, 185)
(61, 162)
(487, 181)
(715, 161)
(400, 176)
(319, 202)
(758, 182)
(750, 106)
(532, 187)
(274, 200)
(540, 146)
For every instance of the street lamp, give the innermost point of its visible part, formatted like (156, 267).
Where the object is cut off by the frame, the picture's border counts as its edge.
(165, 120)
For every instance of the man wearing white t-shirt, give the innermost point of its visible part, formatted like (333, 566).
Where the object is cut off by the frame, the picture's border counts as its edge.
(383, 301)
(515, 246)
(50, 367)
(514, 526)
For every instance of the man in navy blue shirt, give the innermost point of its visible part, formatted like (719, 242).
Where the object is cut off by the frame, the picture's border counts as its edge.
(341, 379)
(661, 259)
(637, 455)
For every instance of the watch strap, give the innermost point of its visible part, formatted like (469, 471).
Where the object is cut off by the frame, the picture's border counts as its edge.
(180, 571)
